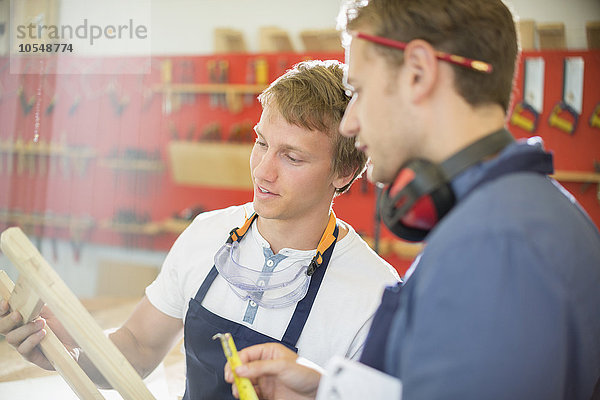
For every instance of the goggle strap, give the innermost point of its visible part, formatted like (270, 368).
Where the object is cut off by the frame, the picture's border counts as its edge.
(237, 233)
(326, 241)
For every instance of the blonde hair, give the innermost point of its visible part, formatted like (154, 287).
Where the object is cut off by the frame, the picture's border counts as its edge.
(312, 95)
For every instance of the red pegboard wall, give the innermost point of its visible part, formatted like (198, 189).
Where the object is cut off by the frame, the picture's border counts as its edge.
(113, 114)
(577, 151)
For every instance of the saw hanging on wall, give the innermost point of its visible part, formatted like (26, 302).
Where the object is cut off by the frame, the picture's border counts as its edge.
(533, 95)
(595, 117)
(572, 97)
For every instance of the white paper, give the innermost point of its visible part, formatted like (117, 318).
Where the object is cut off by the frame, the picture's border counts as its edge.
(534, 83)
(573, 90)
(351, 380)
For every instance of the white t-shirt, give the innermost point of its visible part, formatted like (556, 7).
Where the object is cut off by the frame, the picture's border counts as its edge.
(343, 309)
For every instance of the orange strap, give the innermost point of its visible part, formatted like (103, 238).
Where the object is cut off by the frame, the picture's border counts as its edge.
(326, 240)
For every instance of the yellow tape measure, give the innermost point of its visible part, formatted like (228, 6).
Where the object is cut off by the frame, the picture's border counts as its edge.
(244, 386)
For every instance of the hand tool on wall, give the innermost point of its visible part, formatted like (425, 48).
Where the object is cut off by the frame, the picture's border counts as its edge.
(190, 133)
(118, 102)
(30, 157)
(52, 221)
(173, 131)
(533, 95)
(282, 65)
(54, 150)
(26, 103)
(166, 74)
(187, 77)
(43, 153)
(20, 151)
(79, 230)
(50, 106)
(572, 96)
(74, 105)
(213, 98)
(211, 133)
(223, 78)
(250, 79)
(261, 69)
(242, 132)
(595, 117)
(188, 214)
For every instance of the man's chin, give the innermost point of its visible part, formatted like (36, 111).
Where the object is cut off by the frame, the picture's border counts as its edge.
(376, 177)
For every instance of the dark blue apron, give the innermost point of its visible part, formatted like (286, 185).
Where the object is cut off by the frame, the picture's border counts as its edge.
(204, 357)
(374, 351)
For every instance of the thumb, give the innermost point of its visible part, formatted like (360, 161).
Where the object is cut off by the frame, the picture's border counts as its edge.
(257, 369)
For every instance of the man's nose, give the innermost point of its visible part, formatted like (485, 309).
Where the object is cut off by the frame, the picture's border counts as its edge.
(349, 125)
(266, 168)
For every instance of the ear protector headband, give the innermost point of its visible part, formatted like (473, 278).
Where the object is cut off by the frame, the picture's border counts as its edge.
(421, 194)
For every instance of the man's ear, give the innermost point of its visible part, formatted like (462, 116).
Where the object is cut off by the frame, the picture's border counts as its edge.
(342, 179)
(421, 67)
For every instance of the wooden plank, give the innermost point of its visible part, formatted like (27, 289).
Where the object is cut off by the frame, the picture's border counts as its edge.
(25, 301)
(225, 165)
(74, 317)
(576, 176)
(54, 350)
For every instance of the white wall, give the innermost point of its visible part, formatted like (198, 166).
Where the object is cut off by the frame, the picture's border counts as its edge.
(573, 13)
(186, 26)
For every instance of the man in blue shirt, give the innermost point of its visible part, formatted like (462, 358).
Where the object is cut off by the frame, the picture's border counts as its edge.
(503, 302)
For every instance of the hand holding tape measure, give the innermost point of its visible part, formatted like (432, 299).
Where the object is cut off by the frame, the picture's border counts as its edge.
(244, 386)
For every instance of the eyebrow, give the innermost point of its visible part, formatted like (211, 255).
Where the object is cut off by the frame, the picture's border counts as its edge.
(284, 147)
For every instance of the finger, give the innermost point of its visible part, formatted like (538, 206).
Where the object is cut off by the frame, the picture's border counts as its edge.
(256, 369)
(3, 307)
(19, 335)
(46, 313)
(29, 345)
(266, 351)
(234, 391)
(10, 322)
(227, 373)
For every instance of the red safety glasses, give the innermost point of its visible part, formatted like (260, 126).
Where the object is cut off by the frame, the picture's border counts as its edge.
(477, 65)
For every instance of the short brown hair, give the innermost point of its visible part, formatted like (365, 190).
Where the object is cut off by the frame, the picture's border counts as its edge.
(312, 95)
(479, 29)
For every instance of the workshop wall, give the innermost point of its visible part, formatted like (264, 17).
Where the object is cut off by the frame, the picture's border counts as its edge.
(97, 166)
(107, 162)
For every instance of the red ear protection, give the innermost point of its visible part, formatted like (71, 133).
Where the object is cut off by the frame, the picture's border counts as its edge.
(421, 194)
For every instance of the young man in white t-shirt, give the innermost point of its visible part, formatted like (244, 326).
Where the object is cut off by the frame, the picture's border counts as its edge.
(279, 269)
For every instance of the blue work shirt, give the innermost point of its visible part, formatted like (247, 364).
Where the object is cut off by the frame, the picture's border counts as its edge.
(505, 300)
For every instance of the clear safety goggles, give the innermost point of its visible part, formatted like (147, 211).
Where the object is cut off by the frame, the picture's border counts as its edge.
(284, 286)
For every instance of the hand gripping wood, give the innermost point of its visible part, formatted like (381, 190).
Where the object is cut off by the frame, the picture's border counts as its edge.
(41, 284)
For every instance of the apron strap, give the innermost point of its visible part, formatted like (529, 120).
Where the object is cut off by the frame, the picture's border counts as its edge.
(302, 311)
(206, 284)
